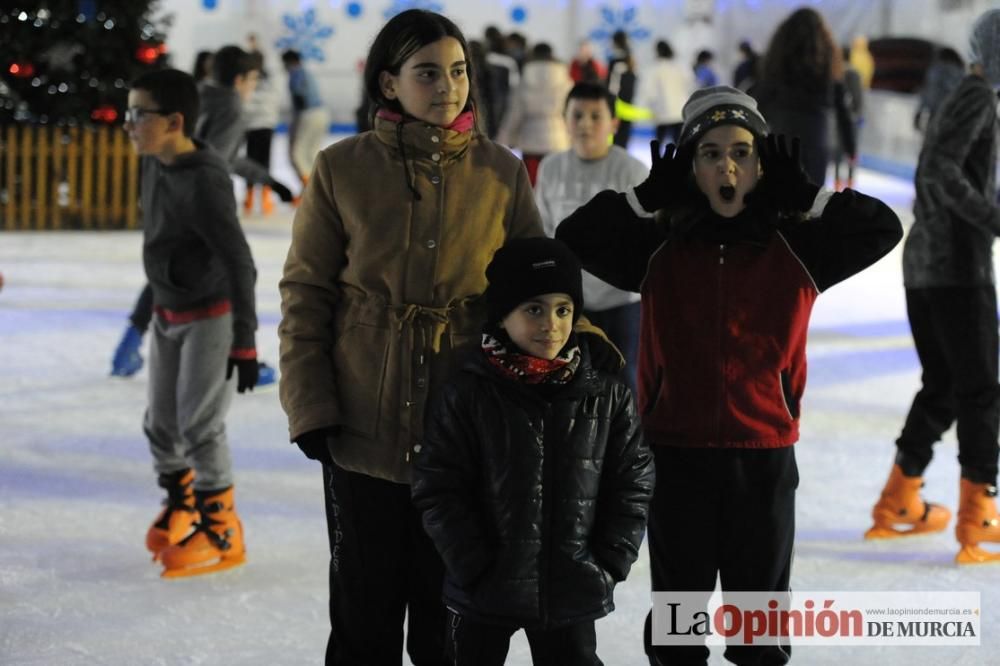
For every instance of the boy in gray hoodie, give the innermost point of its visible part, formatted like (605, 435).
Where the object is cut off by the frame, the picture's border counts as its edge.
(201, 276)
(221, 123)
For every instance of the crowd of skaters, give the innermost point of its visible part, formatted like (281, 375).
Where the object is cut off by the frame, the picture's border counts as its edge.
(814, 93)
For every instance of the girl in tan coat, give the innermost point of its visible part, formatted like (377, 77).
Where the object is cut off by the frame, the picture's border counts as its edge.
(382, 283)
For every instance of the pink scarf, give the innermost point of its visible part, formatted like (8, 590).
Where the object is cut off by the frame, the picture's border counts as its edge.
(463, 123)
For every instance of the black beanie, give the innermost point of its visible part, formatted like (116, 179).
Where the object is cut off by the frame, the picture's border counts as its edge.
(527, 267)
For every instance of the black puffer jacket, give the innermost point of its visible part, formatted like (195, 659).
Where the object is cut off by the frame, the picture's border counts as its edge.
(537, 506)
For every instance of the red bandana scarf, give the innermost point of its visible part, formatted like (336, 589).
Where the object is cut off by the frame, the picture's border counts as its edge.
(531, 369)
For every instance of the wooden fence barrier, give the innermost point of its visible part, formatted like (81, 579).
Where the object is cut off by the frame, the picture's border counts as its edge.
(67, 178)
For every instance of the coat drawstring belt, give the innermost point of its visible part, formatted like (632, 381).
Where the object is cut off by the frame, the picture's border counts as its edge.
(430, 321)
(428, 324)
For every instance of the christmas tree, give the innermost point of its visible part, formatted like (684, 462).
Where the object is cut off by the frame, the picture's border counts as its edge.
(69, 62)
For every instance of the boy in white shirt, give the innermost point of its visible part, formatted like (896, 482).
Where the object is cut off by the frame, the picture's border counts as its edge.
(569, 179)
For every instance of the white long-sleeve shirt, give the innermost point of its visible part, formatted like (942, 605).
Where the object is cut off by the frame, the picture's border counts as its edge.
(566, 182)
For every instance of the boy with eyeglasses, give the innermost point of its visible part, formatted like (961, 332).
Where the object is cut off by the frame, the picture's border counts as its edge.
(201, 276)
(221, 123)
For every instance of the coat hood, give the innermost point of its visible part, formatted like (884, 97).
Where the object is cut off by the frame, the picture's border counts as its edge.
(984, 45)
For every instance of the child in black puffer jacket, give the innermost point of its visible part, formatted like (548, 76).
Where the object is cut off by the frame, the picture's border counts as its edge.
(533, 479)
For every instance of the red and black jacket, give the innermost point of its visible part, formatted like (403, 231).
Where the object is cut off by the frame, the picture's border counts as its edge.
(725, 308)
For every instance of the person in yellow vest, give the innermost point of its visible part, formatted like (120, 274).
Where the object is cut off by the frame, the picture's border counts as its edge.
(863, 61)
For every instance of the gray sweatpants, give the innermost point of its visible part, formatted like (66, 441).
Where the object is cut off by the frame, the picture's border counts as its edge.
(188, 399)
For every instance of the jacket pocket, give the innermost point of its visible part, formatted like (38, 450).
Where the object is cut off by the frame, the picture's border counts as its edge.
(791, 405)
(360, 357)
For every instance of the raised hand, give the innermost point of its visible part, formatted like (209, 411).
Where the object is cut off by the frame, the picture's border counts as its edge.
(667, 183)
(785, 186)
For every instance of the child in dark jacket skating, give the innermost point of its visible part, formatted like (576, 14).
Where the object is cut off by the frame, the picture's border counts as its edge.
(728, 273)
(533, 480)
(201, 276)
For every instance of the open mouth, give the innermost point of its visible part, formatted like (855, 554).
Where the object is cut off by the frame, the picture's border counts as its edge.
(728, 193)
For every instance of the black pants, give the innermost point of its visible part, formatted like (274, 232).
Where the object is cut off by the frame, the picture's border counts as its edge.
(621, 325)
(955, 334)
(259, 147)
(382, 565)
(721, 512)
(471, 643)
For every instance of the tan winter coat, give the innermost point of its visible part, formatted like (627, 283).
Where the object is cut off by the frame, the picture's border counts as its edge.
(380, 288)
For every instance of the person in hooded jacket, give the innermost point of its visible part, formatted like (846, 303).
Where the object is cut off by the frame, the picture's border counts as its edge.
(201, 276)
(952, 307)
(222, 124)
(533, 481)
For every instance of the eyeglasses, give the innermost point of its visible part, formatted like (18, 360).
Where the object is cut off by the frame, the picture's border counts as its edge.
(134, 114)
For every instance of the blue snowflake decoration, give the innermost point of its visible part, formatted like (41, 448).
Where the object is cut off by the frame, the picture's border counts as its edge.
(613, 20)
(354, 9)
(400, 6)
(209, 4)
(305, 35)
(518, 14)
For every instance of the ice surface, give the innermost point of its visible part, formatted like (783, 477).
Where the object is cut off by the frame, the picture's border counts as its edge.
(77, 491)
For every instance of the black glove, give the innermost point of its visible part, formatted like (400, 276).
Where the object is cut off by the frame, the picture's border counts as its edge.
(279, 188)
(246, 373)
(316, 444)
(785, 187)
(667, 183)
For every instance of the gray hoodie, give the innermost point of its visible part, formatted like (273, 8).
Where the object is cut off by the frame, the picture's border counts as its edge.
(956, 217)
(194, 250)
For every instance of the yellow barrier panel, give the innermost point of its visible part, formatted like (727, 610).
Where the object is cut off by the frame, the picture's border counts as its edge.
(9, 179)
(67, 178)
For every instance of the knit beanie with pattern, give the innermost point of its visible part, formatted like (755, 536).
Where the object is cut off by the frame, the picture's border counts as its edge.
(720, 105)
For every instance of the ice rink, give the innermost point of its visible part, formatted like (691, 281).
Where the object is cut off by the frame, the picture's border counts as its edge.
(77, 491)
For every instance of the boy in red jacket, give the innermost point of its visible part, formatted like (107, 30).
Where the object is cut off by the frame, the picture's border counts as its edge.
(741, 246)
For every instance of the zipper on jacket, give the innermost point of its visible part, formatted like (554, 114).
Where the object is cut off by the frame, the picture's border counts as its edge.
(547, 492)
(722, 359)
